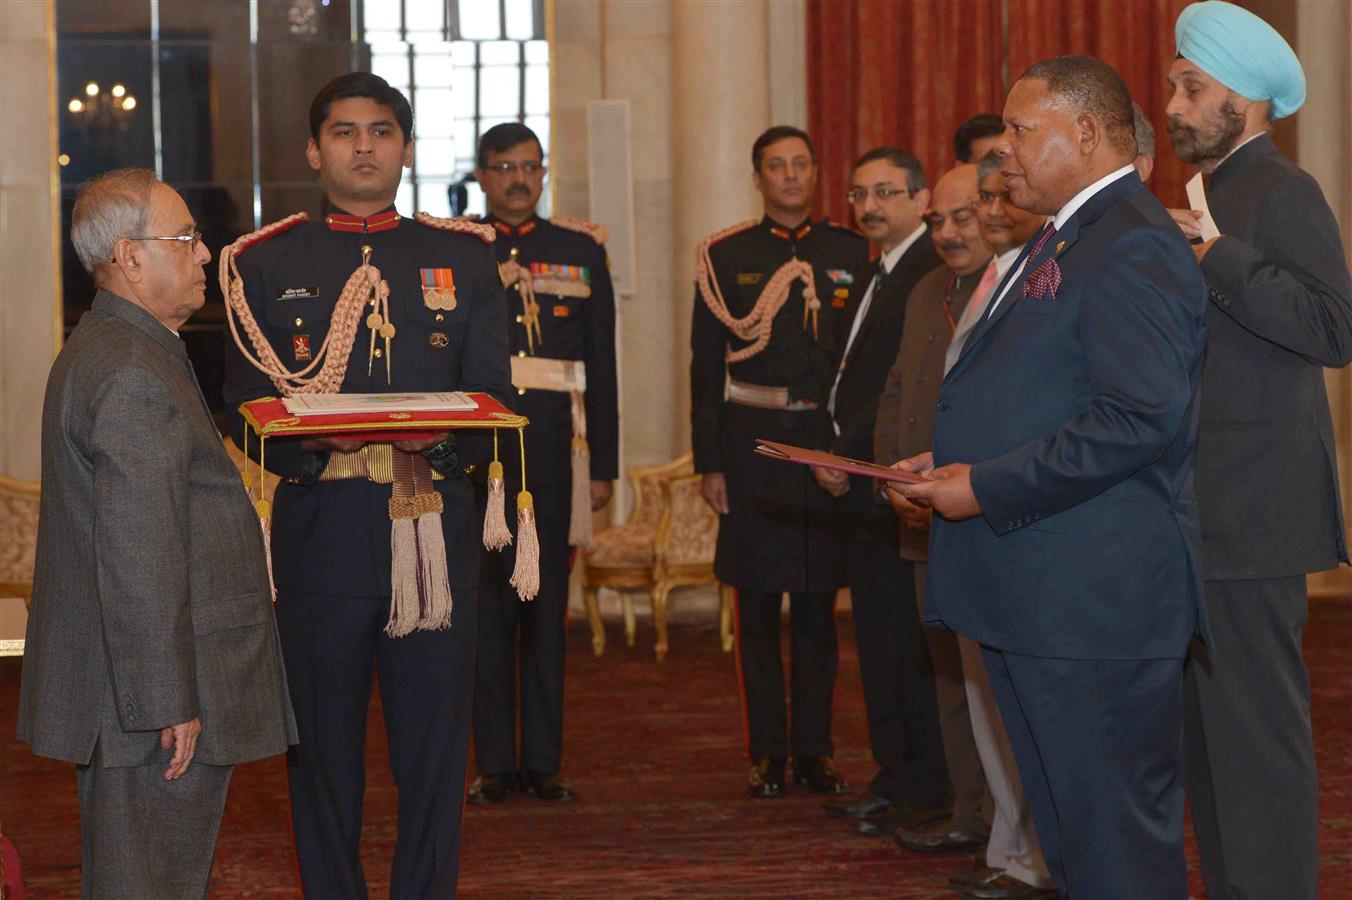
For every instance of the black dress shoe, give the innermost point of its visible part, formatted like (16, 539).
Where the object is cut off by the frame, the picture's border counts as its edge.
(1007, 887)
(818, 773)
(767, 778)
(866, 808)
(981, 875)
(488, 789)
(942, 838)
(549, 787)
(904, 818)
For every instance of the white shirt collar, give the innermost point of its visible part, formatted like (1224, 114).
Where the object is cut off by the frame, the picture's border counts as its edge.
(893, 256)
(1083, 196)
(1006, 259)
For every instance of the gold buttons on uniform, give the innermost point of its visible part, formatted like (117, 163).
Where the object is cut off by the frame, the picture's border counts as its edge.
(439, 317)
(377, 353)
(299, 321)
(521, 391)
(518, 320)
(521, 353)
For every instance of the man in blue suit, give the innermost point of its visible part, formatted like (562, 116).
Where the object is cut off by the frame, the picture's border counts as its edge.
(1066, 540)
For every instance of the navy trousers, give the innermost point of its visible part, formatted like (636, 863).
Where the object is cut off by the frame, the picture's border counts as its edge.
(521, 648)
(1099, 749)
(331, 645)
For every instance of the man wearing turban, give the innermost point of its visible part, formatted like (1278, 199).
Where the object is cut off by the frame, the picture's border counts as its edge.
(1280, 311)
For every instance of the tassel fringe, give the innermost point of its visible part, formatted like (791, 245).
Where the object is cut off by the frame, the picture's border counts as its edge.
(420, 589)
(580, 516)
(404, 576)
(496, 533)
(526, 574)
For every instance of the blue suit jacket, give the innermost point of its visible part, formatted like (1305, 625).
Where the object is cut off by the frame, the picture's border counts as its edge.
(1079, 415)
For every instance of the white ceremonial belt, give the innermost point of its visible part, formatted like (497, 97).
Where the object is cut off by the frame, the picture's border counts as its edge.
(537, 373)
(762, 397)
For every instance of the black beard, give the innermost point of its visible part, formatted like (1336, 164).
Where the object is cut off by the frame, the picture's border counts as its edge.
(1210, 143)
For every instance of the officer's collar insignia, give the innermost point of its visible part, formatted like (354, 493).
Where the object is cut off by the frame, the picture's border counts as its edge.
(521, 230)
(381, 221)
(785, 234)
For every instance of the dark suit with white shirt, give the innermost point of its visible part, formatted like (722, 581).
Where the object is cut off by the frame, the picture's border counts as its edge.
(1081, 577)
(894, 665)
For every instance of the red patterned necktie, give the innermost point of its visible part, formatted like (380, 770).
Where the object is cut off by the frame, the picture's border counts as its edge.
(1045, 280)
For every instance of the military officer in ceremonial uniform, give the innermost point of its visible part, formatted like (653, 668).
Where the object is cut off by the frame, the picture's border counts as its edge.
(331, 530)
(562, 335)
(768, 299)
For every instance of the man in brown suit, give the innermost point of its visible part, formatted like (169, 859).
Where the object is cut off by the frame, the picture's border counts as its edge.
(905, 427)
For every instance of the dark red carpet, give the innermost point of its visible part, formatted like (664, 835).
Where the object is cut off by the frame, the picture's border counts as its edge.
(655, 752)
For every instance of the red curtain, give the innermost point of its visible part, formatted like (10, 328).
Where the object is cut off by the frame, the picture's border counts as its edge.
(908, 72)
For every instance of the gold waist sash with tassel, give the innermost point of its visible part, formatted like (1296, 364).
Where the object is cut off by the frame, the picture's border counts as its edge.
(374, 462)
(566, 376)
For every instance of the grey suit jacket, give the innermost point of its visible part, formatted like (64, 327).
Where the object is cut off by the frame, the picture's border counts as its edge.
(1280, 312)
(906, 408)
(150, 593)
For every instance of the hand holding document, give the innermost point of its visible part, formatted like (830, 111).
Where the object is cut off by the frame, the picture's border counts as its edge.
(805, 457)
(1206, 226)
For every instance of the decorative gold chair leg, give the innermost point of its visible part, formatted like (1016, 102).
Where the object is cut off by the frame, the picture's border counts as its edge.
(598, 628)
(660, 594)
(725, 629)
(630, 627)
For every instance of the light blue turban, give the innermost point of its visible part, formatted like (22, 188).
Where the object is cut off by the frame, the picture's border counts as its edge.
(1242, 52)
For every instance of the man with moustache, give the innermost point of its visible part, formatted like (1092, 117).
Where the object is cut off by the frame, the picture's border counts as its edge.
(889, 197)
(1066, 539)
(561, 298)
(768, 296)
(151, 659)
(905, 424)
(331, 533)
(1267, 474)
(1014, 868)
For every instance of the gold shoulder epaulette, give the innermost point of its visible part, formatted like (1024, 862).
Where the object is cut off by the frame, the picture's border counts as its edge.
(267, 231)
(483, 232)
(592, 230)
(723, 235)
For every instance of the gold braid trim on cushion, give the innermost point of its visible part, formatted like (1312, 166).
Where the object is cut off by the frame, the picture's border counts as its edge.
(415, 506)
(485, 233)
(593, 230)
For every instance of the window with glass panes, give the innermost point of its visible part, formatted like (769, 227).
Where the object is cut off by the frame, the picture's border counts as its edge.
(465, 66)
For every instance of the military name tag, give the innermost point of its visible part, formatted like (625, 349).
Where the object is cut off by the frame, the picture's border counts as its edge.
(438, 287)
(749, 278)
(298, 293)
(300, 345)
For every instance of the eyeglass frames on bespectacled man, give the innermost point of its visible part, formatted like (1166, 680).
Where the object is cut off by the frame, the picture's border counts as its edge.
(194, 238)
(881, 193)
(510, 168)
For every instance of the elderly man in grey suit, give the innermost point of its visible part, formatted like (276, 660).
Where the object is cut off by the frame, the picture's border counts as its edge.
(152, 661)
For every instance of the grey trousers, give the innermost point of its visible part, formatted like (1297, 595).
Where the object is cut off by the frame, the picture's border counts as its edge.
(1013, 842)
(972, 805)
(145, 837)
(1249, 751)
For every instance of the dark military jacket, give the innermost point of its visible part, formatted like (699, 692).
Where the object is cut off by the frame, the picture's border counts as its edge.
(784, 533)
(571, 327)
(334, 536)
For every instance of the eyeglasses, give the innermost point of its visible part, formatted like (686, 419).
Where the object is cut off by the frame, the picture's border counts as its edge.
(193, 238)
(962, 217)
(510, 168)
(881, 193)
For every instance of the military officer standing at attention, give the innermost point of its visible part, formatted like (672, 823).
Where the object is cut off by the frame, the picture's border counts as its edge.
(768, 296)
(442, 327)
(563, 366)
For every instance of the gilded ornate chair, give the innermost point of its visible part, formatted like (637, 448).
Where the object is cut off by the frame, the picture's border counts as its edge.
(686, 538)
(19, 527)
(623, 557)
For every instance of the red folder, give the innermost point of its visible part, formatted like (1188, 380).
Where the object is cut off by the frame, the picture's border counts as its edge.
(806, 457)
(269, 417)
